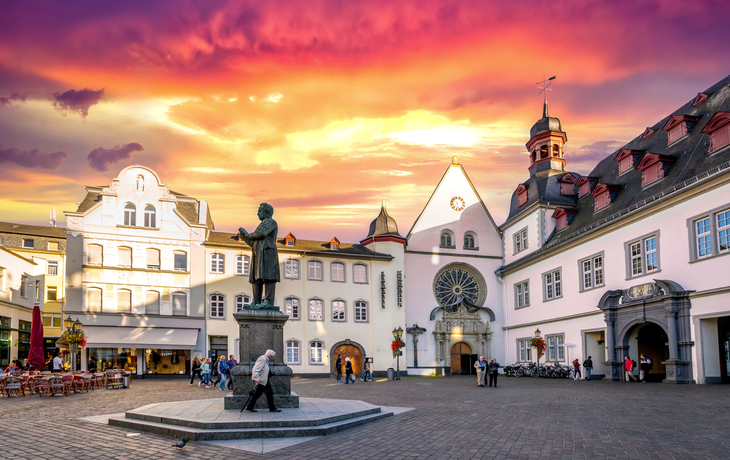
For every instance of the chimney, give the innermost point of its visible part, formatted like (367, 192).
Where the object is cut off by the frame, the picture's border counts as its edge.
(52, 219)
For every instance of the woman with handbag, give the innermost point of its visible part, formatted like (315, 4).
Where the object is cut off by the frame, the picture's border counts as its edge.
(195, 370)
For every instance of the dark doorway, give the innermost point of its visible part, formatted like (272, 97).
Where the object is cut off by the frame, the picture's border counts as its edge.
(653, 342)
(723, 331)
(462, 359)
(218, 347)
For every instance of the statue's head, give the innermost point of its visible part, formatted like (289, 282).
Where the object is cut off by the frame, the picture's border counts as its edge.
(266, 211)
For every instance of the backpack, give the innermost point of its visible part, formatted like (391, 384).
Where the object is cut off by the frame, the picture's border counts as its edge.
(633, 364)
(585, 363)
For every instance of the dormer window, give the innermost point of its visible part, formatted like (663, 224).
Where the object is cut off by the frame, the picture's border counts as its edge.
(290, 240)
(648, 132)
(602, 196)
(521, 195)
(653, 167)
(625, 159)
(334, 244)
(719, 130)
(567, 185)
(562, 217)
(699, 99)
(585, 184)
(678, 126)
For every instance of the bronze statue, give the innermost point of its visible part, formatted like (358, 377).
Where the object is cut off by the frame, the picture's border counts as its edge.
(264, 272)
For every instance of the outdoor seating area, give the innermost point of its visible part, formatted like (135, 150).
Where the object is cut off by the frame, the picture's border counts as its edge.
(46, 384)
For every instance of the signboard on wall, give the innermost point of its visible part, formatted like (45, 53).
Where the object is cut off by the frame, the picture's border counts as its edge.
(642, 291)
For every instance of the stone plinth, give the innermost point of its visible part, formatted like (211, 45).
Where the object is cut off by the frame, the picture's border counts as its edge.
(261, 330)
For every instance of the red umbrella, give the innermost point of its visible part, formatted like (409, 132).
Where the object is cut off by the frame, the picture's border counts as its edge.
(35, 357)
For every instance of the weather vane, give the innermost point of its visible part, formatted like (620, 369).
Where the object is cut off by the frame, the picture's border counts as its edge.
(544, 87)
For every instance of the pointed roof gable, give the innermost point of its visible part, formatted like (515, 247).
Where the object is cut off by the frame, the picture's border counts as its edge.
(647, 132)
(699, 99)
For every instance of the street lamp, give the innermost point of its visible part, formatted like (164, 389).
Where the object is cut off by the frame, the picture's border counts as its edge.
(71, 327)
(537, 336)
(68, 323)
(397, 334)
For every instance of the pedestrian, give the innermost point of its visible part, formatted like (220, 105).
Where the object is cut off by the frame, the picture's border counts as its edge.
(348, 371)
(588, 364)
(645, 366)
(222, 368)
(338, 367)
(92, 364)
(205, 370)
(481, 367)
(493, 372)
(57, 363)
(26, 365)
(366, 372)
(231, 364)
(629, 368)
(11, 367)
(195, 370)
(260, 377)
(576, 369)
(48, 365)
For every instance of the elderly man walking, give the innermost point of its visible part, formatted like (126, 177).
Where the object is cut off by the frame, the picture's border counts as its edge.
(260, 376)
(481, 367)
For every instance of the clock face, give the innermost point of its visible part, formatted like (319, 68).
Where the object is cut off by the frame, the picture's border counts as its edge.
(457, 203)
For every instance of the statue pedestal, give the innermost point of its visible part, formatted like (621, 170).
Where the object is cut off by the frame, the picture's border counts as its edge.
(261, 330)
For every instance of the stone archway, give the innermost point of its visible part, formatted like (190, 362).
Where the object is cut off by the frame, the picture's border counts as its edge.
(348, 349)
(663, 303)
(461, 326)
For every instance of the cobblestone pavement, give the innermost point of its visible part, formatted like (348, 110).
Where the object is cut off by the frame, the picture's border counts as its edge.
(453, 418)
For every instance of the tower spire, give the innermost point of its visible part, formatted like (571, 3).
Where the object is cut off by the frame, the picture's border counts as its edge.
(545, 109)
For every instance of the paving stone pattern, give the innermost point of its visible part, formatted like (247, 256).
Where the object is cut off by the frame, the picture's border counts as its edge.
(453, 418)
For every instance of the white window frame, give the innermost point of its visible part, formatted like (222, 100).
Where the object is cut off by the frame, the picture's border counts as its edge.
(522, 294)
(243, 264)
(48, 292)
(361, 306)
(519, 241)
(147, 259)
(316, 352)
(131, 299)
(592, 272)
(131, 256)
(241, 300)
(101, 298)
(291, 269)
(184, 255)
(28, 240)
(130, 215)
(50, 245)
(338, 277)
(52, 267)
(217, 263)
(715, 233)
(354, 275)
(295, 346)
(555, 347)
(101, 255)
(313, 314)
(289, 308)
(524, 350)
(722, 220)
(185, 302)
(552, 283)
(150, 216)
(341, 308)
(314, 263)
(220, 305)
(639, 252)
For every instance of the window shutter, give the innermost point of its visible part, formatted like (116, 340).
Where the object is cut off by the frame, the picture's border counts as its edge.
(93, 300)
(94, 255)
(179, 304)
(153, 257)
(125, 257)
(124, 300)
(153, 303)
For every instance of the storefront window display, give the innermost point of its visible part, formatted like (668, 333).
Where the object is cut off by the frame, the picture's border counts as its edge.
(159, 361)
(109, 358)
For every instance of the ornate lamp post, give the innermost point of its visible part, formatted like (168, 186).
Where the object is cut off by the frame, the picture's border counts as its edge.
(397, 334)
(537, 336)
(73, 327)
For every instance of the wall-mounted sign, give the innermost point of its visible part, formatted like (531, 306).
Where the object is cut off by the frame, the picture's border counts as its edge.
(641, 291)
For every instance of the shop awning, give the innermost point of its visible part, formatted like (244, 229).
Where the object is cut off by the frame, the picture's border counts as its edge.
(140, 337)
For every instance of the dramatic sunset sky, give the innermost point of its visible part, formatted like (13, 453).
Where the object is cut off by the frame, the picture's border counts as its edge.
(323, 108)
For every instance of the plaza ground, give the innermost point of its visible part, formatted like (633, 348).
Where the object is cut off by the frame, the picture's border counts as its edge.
(453, 418)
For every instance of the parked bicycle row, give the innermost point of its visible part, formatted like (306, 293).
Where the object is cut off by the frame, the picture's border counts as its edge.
(554, 371)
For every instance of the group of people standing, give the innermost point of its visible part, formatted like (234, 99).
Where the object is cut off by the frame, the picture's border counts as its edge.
(485, 368)
(645, 366)
(349, 372)
(220, 368)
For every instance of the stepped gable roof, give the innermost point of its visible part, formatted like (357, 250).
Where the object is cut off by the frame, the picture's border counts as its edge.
(383, 225)
(35, 230)
(309, 246)
(690, 159)
(544, 187)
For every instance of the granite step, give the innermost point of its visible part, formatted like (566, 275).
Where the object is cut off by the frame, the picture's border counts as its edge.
(198, 434)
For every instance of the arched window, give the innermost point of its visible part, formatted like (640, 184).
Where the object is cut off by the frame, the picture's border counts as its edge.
(337, 272)
(149, 216)
(243, 264)
(217, 302)
(153, 259)
(130, 214)
(93, 299)
(469, 241)
(446, 241)
(95, 255)
(292, 351)
(242, 300)
(338, 310)
(556, 150)
(291, 269)
(179, 304)
(152, 304)
(181, 261)
(124, 256)
(292, 307)
(316, 349)
(124, 300)
(361, 311)
(314, 269)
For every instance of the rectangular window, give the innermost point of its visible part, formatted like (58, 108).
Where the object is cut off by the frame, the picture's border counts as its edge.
(292, 307)
(242, 265)
(124, 257)
(47, 320)
(643, 256)
(52, 293)
(292, 352)
(57, 320)
(315, 310)
(52, 268)
(180, 261)
(520, 240)
(723, 231)
(216, 306)
(29, 244)
(93, 299)
(361, 311)
(23, 286)
(338, 272)
(94, 255)
(522, 294)
(315, 352)
(180, 304)
(556, 347)
(217, 263)
(315, 270)
(242, 300)
(153, 259)
(152, 306)
(704, 239)
(338, 310)
(291, 269)
(524, 350)
(553, 285)
(53, 246)
(592, 272)
(124, 300)
(360, 273)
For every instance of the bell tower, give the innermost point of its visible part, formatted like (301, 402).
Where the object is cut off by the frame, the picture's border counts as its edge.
(547, 140)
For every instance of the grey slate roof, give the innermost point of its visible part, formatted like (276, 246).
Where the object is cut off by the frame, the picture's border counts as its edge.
(35, 230)
(543, 186)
